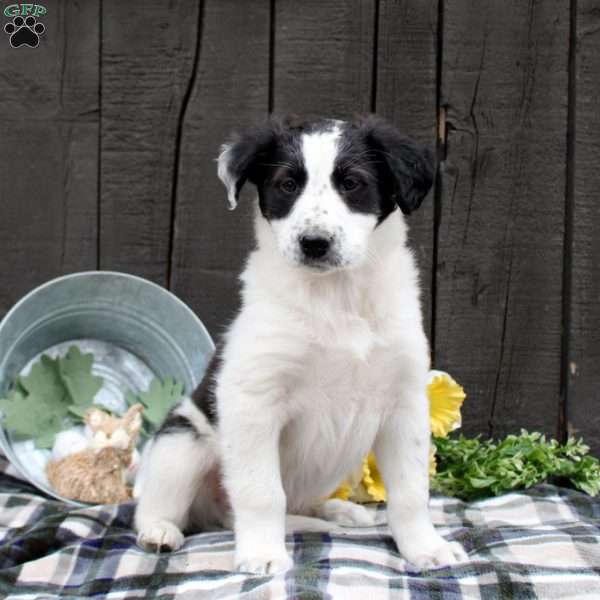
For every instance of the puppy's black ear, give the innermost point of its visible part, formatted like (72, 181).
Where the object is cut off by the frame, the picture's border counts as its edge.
(241, 156)
(406, 169)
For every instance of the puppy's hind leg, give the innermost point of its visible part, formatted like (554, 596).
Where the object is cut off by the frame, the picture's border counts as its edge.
(172, 470)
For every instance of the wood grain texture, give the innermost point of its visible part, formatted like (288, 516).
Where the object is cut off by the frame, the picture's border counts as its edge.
(49, 126)
(584, 332)
(499, 271)
(231, 90)
(406, 94)
(175, 78)
(323, 57)
(148, 50)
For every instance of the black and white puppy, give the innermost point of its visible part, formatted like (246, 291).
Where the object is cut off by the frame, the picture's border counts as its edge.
(326, 360)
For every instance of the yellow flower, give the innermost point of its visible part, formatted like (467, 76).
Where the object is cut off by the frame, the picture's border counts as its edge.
(367, 486)
(445, 399)
(343, 492)
(372, 479)
(432, 461)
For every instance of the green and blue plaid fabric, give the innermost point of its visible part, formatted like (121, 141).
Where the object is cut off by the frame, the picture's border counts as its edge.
(543, 543)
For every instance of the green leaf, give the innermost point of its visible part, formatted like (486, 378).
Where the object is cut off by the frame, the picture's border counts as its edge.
(46, 440)
(54, 394)
(44, 381)
(473, 469)
(76, 373)
(28, 417)
(131, 398)
(481, 482)
(78, 412)
(158, 399)
(14, 417)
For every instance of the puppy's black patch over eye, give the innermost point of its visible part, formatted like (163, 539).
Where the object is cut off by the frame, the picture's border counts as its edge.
(288, 185)
(349, 183)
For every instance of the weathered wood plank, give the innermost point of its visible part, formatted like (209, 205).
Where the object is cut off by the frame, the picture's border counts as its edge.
(231, 90)
(323, 57)
(407, 95)
(148, 50)
(584, 333)
(499, 272)
(49, 125)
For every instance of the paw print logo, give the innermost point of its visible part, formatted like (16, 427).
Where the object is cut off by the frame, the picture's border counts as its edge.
(24, 32)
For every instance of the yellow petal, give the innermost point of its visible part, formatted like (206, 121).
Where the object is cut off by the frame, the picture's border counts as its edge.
(445, 399)
(343, 492)
(432, 461)
(371, 488)
(373, 480)
(351, 488)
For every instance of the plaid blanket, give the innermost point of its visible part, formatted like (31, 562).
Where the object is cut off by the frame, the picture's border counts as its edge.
(543, 543)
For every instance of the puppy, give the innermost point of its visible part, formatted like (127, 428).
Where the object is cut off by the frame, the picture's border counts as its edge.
(326, 360)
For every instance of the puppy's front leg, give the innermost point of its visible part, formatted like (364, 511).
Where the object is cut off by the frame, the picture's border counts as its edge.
(402, 451)
(250, 452)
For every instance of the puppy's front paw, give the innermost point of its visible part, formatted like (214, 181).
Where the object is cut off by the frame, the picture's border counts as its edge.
(433, 553)
(345, 513)
(159, 535)
(264, 562)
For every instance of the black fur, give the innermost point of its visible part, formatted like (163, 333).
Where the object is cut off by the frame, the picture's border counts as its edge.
(266, 156)
(204, 399)
(405, 169)
(204, 395)
(175, 423)
(390, 169)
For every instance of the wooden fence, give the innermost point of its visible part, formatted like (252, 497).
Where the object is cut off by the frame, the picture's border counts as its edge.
(109, 130)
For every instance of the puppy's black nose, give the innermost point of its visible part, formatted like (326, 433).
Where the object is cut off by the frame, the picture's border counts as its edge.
(314, 247)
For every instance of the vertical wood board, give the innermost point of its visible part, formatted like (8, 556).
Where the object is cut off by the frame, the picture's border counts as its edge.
(499, 270)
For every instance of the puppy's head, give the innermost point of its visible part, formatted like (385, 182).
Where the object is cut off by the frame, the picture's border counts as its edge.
(325, 186)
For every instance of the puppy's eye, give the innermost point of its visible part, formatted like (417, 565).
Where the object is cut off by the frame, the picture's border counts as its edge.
(289, 186)
(349, 183)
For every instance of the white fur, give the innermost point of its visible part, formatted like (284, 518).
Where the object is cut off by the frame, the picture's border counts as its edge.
(226, 178)
(318, 368)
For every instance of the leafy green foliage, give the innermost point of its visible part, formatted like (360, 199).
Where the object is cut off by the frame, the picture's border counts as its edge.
(158, 399)
(41, 403)
(57, 392)
(25, 416)
(472, 469)
(44, 380)
(75, 372)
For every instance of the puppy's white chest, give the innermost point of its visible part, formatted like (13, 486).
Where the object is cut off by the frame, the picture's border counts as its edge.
(337, 413)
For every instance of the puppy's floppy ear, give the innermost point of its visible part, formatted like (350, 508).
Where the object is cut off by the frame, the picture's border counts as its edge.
(406, 167)
(240, 157)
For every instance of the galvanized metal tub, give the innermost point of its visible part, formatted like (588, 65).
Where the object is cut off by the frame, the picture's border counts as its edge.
(136, 329)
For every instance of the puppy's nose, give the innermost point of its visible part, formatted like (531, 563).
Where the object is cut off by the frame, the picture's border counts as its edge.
(314, 246)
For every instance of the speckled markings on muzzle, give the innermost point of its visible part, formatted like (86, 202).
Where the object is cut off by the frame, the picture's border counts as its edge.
(320, 230)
